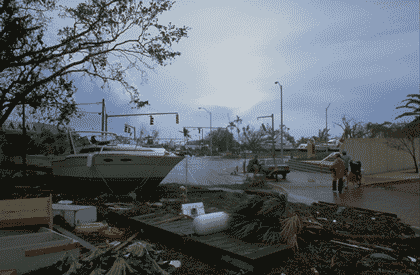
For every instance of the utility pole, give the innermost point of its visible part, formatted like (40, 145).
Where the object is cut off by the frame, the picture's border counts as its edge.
(272, 136)
(326, 128)
(281, 110)
(227, 146)
(24, 137)
(103, 116)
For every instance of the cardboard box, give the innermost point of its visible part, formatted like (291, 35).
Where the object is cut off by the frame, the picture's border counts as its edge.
(30, 248)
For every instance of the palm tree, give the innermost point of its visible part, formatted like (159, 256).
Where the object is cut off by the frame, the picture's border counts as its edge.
(415, 100)
(186, 133)
(238, 121)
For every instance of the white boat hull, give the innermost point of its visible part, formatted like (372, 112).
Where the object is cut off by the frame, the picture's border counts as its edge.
(121, 172)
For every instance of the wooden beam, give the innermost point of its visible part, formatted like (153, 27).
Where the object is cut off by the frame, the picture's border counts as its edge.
(71, 235)
(24, 222)
(21, 212)
(126, 242)
(8, 272)
(51, 249)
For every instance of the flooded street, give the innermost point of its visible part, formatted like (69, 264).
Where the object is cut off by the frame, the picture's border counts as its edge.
(202, 171)
(400, 199)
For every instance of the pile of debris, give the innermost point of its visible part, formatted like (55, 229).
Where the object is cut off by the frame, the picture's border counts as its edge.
(376, 240)
(115, 258)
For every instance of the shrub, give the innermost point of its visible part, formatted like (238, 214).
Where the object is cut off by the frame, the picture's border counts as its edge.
(257, 181)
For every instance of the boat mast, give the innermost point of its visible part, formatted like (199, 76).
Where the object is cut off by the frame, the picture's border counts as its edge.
(71, 141)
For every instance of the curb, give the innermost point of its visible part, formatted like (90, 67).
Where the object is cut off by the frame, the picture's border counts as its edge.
(390, 182)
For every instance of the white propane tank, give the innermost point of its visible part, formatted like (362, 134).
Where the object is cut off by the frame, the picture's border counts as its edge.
(211, 223)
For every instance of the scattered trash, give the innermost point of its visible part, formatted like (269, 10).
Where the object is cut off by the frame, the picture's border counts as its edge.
(112, 232)
(90, 228)
(176, 264)
(65, 202)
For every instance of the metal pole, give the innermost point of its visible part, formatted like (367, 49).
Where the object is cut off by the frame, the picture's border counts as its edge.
(227, 133)
(281, 94)
(103, 115)
(186, 169)
(274, 149)
(24, 137)
(106, 123)
(326, 128)
(211, 139)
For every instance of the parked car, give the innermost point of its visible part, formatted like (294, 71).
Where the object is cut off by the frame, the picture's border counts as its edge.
(267, 166)
(303, 147)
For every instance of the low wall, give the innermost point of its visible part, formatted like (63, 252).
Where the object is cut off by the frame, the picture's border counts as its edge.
(377, 157)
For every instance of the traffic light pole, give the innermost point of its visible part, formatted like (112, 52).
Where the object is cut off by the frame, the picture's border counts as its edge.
(150, 114)
(133, 128)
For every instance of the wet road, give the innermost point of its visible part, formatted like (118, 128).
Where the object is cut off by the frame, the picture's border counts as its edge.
(202, 171)
(400, 199)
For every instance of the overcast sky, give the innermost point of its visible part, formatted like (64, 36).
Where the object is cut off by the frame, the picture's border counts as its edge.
(360, 56)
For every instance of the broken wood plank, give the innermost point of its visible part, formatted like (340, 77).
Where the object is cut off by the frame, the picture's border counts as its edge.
(126, 242)
(71, 235)
(51, 249)
(168, 220)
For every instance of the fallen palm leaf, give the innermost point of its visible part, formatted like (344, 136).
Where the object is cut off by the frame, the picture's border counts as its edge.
(156, 266)
(73, 268)
(137, 250)
(248, 229)
(332, 261)
(119, 267)
(97, 271)
(270, 206)
(292, 226)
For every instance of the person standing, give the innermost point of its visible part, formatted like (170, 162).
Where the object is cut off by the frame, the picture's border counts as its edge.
(338, 173)
(251, 168)
(346, 158)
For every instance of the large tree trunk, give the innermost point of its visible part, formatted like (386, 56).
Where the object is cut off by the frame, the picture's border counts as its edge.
(415, 162)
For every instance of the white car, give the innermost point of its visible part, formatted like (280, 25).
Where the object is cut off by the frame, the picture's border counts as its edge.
(303, 147)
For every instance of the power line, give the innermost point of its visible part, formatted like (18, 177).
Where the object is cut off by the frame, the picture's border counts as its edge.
(88, 103)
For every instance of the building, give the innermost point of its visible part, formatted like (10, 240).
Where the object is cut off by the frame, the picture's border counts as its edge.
(195, 147)
(267, 144)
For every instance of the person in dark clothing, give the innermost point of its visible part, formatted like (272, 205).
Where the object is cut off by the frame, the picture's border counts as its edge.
(355, 174)
(93, 140)
(252, 162)
(346, 158)
(337, 169)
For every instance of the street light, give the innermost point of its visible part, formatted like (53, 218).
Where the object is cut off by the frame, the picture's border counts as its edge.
(326, 128)
(281, 126)
(211, 147)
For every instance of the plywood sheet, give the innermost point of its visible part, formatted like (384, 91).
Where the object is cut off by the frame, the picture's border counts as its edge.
(21, 212)
(218, 240)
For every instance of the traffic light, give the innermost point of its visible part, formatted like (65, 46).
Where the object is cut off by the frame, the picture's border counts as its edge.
(151, 120)
(199, 130)
(125, 128)
(177, 119)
